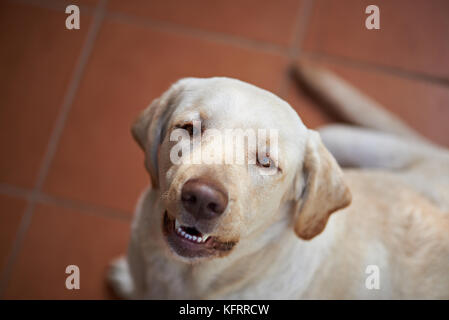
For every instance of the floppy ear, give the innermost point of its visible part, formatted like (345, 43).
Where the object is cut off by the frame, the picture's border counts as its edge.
(324, 191)
(149, 129)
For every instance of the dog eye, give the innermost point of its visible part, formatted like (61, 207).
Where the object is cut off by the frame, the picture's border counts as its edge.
(265, 162)
(188, 127)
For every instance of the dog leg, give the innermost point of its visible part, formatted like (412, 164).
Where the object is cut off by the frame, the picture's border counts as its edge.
(349, 103)
(120, 279)
(365, 148)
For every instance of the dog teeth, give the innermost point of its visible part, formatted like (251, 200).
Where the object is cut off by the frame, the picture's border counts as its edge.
(190, 237)
(177, 224)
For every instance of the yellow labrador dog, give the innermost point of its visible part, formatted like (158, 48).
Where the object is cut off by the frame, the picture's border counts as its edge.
(263, 228)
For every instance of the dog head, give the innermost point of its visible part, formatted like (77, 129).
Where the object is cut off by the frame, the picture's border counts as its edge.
(226, 156)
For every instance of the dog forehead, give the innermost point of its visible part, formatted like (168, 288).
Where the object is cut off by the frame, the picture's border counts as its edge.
(226, 103)
(234, 102)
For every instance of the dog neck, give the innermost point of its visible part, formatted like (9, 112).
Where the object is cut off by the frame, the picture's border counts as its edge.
(276, 258)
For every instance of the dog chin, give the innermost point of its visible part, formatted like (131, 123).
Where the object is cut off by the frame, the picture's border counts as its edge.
(191, 245)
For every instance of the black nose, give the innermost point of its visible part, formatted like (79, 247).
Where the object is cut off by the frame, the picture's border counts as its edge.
(203, 199)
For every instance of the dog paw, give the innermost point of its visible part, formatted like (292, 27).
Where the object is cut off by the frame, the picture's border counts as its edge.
(119, 278)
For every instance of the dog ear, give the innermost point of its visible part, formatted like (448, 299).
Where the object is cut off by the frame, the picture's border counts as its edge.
(149, 129)
(324, 190)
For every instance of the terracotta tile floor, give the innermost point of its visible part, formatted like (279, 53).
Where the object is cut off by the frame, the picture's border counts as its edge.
(70, 172)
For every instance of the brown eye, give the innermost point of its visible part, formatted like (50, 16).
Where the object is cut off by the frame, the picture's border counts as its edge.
(188, 127)
(193, 129)
(264, 161)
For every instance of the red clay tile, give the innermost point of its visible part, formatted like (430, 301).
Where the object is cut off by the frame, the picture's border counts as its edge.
(37, 57)
(413, 35)
(271, 21)
(11, 213)
(424, 106)
(97, 160)
(59, 237)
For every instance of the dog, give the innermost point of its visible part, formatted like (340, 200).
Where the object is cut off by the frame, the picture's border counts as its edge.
(376, 229)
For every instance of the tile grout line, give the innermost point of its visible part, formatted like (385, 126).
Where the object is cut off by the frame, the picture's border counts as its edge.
(213, 36)
(71, 93)
(93, 209)
(302, 23)
(53, 141)
(16, 192)
(89, 209)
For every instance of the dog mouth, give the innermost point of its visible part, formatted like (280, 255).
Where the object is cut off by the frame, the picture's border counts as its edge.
(191, 234)
(189, 242)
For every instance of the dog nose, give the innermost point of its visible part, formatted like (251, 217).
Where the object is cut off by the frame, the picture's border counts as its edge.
(203, 199)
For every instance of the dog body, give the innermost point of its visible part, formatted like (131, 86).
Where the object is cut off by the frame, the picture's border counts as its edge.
(273, 238)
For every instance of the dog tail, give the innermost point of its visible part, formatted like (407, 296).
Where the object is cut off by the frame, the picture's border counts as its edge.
(348, 103)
